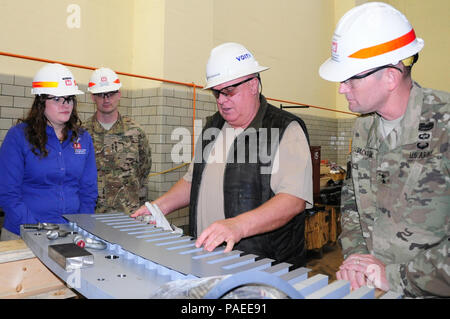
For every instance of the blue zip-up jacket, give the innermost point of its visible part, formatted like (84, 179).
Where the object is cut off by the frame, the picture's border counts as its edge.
(34, 189)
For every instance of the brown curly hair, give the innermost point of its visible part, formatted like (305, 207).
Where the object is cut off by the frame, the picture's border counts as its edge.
(36, 121)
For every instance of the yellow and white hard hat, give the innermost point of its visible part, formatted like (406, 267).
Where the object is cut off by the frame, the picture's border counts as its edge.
(230, 61)
(368, 36)
(55, 79)
(104, 80)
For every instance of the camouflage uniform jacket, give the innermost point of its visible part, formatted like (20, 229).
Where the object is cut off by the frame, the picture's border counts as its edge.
(396, 205)
(123, 157)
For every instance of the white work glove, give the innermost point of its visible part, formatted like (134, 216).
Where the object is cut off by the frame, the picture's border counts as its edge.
(158, 218)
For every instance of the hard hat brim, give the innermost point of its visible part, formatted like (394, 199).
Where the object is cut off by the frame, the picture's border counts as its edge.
(223, 79)
(105, 89)
(39, 91)
(334, 71)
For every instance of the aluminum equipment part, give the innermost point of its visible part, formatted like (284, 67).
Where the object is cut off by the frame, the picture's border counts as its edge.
(52, 234)
(253, 278)
(115, 273)
(296, 275)
(391, 295)
(180, 254)
(163, 247)
(118, 273)
(40, 226)
(312, 284)
(363, 292)
(70, 256)
(336, 290)
(279, 269)
(55, 234)
(89, 242)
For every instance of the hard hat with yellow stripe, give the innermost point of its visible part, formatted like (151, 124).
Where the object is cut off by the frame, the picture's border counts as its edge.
(368, 36)
(55, 79)
(104, 80)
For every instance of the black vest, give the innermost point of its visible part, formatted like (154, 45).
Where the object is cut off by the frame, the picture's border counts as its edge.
(246, 188)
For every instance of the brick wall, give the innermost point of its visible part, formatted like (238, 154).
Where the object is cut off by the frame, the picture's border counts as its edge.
(161, 111)
(332, 135)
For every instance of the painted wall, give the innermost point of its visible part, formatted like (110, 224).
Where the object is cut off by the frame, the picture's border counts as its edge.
(172, 39)
(46, 29)
(431, 22)
(281, 34)
(148, 34)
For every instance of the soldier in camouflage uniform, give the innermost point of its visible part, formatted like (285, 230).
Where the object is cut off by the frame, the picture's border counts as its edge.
(396, 205)
(122, 150)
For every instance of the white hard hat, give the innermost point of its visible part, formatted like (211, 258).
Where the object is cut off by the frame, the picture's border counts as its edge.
(230, 61)
(368, 36)
(55, 79)
(104, 80)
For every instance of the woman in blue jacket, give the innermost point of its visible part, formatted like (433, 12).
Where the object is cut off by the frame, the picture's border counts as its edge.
(47, 162)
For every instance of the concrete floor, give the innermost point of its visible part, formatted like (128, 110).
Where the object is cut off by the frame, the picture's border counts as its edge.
(326, 262)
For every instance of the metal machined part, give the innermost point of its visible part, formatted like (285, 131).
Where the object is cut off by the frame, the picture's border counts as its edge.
(52, 235)
(115, 273)
(55, 234)
(70, 256)
(41, 226)
(137, 259)
(89, 242)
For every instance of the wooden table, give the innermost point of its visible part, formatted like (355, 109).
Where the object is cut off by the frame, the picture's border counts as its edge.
(22, 275)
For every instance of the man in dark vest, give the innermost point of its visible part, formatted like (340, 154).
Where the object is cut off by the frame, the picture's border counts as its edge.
(251, 177)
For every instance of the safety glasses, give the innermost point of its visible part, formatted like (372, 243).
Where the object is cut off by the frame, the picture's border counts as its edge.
(362, 76)
(62, 99)
(230, 90)
(106, 94)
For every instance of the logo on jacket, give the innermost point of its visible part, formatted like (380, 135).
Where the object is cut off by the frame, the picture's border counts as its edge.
(77, 147)
(424, 127)
(424, 137)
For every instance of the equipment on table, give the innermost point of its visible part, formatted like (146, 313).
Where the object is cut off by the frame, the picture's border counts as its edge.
(70, 256)
(55, 234)
(88, 242)
(40, 226)
(140, 259)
